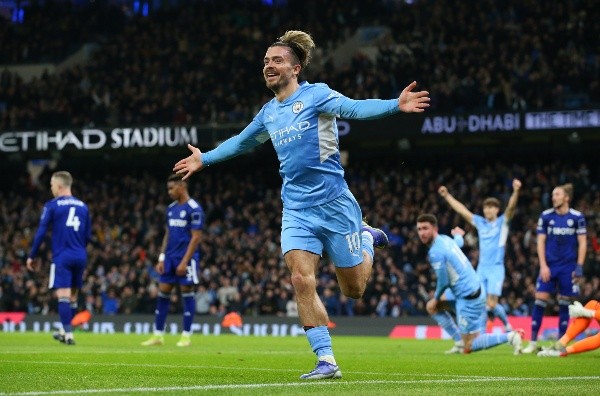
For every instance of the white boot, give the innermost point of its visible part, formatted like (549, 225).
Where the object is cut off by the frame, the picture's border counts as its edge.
(531, 348)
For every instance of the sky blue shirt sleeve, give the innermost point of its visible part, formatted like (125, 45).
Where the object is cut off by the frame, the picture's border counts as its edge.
(459, 240)
(41, 231)
(332, 102)
(253, 135)
(437, 261)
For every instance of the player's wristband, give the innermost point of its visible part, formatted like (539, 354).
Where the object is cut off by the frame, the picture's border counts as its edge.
(161, 257)
(578, 270)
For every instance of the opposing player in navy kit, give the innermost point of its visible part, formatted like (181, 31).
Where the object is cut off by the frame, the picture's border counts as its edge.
(320, 213)
(561, 248)
(179, 260)
(70, 221)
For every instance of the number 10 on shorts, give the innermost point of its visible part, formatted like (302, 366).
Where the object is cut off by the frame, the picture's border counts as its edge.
(353, 242)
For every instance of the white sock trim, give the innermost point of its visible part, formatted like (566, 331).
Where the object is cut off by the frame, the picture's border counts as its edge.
(329, 359)
(366, 234)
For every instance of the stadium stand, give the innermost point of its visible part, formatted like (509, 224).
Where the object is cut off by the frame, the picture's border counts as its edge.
(201, 64)
(241, 240)
(169, 68)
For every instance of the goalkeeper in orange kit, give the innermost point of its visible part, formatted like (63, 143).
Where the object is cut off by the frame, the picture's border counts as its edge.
(583, 317)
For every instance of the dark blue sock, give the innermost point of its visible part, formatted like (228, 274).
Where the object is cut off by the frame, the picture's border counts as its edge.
(536, 318)
(189, 306)
(162, 309)
(73, 309)
(563, 317)
(64, 312)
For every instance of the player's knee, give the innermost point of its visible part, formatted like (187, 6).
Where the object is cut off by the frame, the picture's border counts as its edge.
(354, 291)
(564, 301)
(303, 283)
(352, 284)
(541, 303)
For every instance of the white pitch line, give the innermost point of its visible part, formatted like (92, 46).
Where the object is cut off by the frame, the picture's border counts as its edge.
(241, 368)
(290, 384)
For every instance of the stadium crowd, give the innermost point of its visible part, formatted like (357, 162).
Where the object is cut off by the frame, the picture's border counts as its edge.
(243, 269)
(167, 68)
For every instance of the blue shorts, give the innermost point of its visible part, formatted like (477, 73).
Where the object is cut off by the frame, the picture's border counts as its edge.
(561, 276)
(492, 278)
(191, 276)
(68, 274)
(471, 315)
(334, 226)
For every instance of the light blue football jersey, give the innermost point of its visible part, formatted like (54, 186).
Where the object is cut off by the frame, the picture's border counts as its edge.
(304, 133)
(452, 268)
(492, 240)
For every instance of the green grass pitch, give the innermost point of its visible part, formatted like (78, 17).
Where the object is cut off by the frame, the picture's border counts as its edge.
(35, 364)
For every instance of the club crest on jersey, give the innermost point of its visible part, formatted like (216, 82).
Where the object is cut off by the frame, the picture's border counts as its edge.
(297, 107)
(182, 214)
(570, 222)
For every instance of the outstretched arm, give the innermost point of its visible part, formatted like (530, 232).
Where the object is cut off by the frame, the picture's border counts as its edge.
(332, 102)
(253, 135)
(512, 202)
(456, 204)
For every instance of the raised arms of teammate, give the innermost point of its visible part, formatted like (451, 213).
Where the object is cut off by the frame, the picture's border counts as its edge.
(455, 204)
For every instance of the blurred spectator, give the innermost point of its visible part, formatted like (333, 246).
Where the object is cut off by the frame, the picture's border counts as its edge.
(110, 302)
(240, 264)
(150, 70)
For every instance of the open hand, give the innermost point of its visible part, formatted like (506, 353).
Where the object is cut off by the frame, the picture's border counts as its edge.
(189, 165)
(413, 102)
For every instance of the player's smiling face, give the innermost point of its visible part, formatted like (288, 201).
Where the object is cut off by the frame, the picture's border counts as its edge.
(280, 68)
(427, 232)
